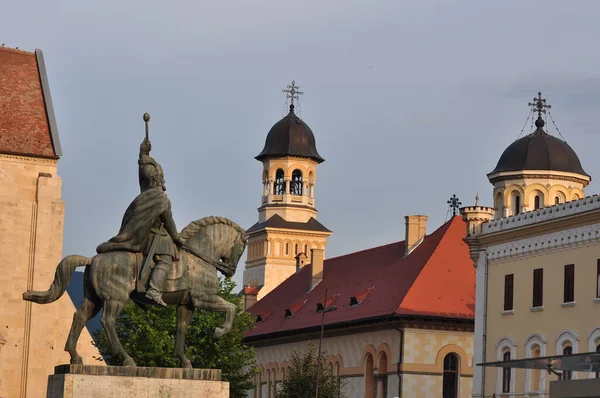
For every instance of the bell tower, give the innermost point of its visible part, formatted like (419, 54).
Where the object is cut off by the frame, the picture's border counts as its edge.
(287, 218)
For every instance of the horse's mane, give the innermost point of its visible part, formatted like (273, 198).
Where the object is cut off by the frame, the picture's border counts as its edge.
(195, 226)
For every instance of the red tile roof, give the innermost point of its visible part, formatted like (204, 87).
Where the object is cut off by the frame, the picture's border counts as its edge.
(436, 279)
(25, 125)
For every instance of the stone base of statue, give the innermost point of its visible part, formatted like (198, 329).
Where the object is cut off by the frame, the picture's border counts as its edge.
(88, 381)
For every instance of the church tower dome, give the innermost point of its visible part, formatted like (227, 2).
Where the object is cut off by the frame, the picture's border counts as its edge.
(290, 136)
(287, 218)
(535, 171)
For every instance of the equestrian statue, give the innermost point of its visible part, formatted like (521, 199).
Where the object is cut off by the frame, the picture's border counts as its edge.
(151, 263)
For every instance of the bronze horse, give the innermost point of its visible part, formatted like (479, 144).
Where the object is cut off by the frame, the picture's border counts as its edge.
(110, 281)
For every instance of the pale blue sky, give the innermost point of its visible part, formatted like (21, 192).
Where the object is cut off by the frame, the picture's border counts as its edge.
(410, 101)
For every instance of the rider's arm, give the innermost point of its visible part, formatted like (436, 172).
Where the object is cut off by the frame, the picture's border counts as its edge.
(169, 223)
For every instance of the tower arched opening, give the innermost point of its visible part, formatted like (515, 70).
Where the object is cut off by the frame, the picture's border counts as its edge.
(296, 188)
(279, 187)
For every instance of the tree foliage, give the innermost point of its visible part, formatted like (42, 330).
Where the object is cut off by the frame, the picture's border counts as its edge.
(299, 380)
(148, 336)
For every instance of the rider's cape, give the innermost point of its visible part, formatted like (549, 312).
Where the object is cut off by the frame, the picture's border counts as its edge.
(139, 218)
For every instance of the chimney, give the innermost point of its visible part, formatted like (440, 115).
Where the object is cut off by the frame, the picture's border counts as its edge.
(316, 265)
(300, 261)
(416, 227)
(250, 296)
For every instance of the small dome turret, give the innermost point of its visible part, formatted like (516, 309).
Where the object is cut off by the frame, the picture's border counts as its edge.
(539, 151)
(290, 137)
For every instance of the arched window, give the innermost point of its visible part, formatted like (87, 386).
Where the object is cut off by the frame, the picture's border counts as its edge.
(306, 249)
(556, 200)
(382, 382)
(258, 386)
(296, 188)
(516, 203)
(450, 376)
(536, 202)
(369, 377)
(279, 187)
(296, 249)
(287, 249)
(535, 373)
(567, 374)
(598, 350)
(506, 373)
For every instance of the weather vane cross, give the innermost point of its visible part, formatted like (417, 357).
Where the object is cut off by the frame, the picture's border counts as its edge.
(454, 204)
(539, 105)
(292, 93)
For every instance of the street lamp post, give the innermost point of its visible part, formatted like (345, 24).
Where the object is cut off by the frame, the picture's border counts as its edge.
(325, 310)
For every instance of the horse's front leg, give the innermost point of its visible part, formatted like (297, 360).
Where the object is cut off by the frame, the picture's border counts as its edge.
(184, 316)
(218, 304)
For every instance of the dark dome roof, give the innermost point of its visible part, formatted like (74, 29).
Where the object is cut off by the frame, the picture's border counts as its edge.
(539, 151)
(290, 137)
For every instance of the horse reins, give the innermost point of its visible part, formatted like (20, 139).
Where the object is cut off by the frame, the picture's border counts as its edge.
(221, 266)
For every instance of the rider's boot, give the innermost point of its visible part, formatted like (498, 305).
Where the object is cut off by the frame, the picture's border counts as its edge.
(156, 284)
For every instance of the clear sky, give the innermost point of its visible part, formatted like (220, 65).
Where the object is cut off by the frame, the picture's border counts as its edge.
(410, 101)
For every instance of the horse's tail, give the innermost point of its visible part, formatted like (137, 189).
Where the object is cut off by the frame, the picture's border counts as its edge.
(62, 277)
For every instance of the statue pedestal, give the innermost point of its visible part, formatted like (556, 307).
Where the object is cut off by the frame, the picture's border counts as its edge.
(89, 381)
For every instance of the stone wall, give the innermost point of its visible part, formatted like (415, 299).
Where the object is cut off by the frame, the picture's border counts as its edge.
(356, 354)
(31, 236)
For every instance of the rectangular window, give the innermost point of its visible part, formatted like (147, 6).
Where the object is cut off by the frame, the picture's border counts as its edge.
(508, 291)
(569, 288)
(598, 278)
(538, 287)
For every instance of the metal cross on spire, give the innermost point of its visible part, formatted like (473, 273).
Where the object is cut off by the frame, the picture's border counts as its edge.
(539, 105)
(454, 204)
(292, 93)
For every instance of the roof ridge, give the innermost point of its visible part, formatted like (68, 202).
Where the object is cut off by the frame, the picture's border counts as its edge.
(446, 227)
(16, 50)
(366, 250)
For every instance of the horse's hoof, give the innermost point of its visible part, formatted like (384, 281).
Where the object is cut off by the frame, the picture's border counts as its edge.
(218, 333)
(129, 362)
(77, 361)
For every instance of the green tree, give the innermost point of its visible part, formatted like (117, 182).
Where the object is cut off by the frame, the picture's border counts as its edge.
(148, 336)
(299, 380)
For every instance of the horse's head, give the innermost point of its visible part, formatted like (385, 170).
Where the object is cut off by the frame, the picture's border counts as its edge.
(218, 238)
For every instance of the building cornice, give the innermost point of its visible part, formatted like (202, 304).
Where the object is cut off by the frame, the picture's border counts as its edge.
(543, 244)
(269, 231)
(539, 174)
(51, 161)
(538, 222)
(363, 325)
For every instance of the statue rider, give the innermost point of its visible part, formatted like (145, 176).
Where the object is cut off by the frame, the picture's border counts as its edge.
(148, 226)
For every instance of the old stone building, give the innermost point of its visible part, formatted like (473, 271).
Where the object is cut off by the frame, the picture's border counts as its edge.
(403, 324)
(404, 319)
(31, 229)
(538, 272)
